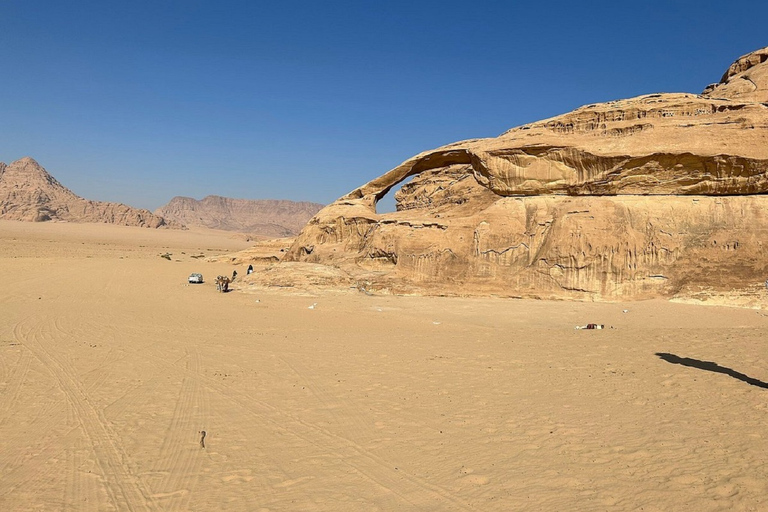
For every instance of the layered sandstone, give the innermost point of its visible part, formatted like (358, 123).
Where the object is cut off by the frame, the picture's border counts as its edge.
(29, 193)
(272, 218)
(658, 195)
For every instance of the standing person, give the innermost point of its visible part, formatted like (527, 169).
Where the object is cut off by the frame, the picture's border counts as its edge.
(234, 274)
(250, 270)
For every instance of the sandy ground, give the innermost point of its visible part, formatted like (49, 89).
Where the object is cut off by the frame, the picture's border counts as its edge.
(111, 366)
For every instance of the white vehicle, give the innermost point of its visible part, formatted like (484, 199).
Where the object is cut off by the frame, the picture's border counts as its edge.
(196, 278)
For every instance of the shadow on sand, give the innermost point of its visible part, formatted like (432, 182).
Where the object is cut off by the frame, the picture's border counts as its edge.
(711, 367)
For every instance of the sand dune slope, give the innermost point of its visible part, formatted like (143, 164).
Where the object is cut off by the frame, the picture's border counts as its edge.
(111, 366)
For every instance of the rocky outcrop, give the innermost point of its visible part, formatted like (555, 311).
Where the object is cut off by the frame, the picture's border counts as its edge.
(664, 144)
(29, 193)
(745, 79)
(654, 196)
(272, 218)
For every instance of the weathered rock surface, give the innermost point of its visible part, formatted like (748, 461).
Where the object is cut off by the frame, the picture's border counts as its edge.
(272, 218)
(260, 254)
(655, 196)
(29, 193)
(745, 79)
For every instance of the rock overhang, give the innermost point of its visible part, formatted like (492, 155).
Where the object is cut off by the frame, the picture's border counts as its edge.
(688, 151)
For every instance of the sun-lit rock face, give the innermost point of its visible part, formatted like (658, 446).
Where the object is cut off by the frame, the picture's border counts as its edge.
(649, 196)
(745, 80)
(29, 193)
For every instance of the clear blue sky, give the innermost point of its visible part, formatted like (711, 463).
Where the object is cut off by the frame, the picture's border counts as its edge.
(139, 101)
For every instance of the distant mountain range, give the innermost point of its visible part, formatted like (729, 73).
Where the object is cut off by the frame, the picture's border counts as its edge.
(268, 217)
(29, 193)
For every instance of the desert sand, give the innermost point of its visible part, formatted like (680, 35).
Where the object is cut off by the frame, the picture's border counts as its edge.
(112, 366)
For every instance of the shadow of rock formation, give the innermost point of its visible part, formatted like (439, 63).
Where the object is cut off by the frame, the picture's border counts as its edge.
(711, 367)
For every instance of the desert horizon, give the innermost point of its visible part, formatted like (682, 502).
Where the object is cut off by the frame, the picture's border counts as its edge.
(499, 264)
(112, 366)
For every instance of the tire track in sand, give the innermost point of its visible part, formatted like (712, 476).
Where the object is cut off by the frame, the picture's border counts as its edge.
(17, 449)
(126, 490)
(14, 384)
(410, 489)
(179, 460)
(21, 469)
(186, 370)
(81, 489)
(329, 402)
(5, 345)
(381, 473)
(37, 475)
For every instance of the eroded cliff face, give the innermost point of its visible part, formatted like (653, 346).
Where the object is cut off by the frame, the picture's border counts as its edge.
(266, 217)
(654, 196)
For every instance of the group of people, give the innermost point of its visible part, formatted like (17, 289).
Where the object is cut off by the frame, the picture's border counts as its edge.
(248, 272)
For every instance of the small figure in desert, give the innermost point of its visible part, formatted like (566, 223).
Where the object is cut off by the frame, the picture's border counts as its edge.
(234, 275)
(250, 270)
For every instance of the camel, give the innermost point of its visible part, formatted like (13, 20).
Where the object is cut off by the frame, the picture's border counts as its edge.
(222, 283)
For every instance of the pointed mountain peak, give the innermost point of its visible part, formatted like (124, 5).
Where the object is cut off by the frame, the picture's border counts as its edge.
(27, 160)
(29, 192)
(26, 172)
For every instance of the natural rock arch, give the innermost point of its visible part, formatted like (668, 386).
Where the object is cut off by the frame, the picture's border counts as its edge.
(631, 198)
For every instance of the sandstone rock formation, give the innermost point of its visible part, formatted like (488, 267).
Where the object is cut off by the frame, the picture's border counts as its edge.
(655, 196)
(29, 193)
(273, 218)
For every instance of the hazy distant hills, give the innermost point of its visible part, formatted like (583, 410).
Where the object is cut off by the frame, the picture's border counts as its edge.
(267, 217)
(29, 193)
